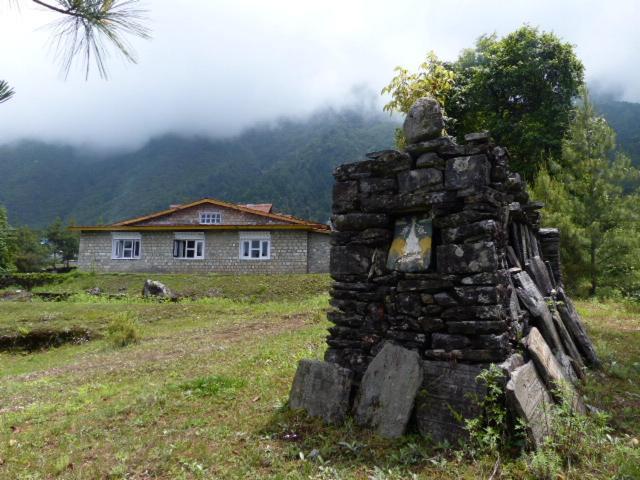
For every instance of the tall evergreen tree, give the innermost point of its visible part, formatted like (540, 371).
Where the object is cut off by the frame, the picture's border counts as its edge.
(5, 239)
(586, 196)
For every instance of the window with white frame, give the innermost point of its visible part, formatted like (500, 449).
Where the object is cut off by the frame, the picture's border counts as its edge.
(189, 246)
(125, 246)
(255, 246)
(210, 218)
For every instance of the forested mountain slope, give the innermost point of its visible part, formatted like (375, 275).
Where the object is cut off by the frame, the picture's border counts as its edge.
(288, 164)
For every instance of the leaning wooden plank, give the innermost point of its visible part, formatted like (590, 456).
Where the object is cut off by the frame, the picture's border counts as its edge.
(537, 306)
(528, 397)
(578, 332)
(551, 370)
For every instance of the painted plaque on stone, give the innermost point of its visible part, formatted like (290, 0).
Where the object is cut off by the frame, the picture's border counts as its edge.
(411, 247)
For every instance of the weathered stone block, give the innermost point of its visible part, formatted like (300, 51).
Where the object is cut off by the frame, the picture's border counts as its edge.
(430, 160)
(322, 389)
(419, 148)
(377, 185)
(447, 391)
(361, 221)
(425, 179)
(467, 258)
(471, 327)
(477, 295)
(388, 389)
(529, 398)
(423, 121)
(350, 261)
(472, 232)
(345, 196)
(464, 172)
(386, 162)
(550, 369)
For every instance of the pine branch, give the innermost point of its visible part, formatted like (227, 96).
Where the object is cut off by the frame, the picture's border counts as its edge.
(6, 92)
(88, 28)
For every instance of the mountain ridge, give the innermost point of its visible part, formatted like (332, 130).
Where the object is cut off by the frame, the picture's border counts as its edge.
(287, 163)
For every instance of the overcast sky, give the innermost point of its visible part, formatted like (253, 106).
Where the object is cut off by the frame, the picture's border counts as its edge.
(215, 66)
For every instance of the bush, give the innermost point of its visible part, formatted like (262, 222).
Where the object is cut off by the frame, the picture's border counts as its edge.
(581, 441)
(30, 280)
(213, 386)
(123, 331)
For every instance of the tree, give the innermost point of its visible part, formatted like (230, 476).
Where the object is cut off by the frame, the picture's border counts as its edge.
(28, 252)
(521, 88)
(5, 241)
(62, 242)
(587, 198)
(86, 28)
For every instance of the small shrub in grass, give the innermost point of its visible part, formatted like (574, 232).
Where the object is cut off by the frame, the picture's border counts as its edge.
(123, 331)
(580, 441)
(212, 386)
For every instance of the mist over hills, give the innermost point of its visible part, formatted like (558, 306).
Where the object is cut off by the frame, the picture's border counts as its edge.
(288, 163)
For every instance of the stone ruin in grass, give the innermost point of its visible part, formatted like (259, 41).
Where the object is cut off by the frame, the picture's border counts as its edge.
(440, 269)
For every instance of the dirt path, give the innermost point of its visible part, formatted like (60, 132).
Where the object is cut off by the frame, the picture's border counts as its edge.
(167, 348)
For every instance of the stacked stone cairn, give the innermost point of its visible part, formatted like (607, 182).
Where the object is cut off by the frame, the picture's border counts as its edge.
(441, 269)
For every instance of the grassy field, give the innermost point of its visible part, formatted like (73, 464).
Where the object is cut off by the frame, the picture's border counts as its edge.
(202, 393)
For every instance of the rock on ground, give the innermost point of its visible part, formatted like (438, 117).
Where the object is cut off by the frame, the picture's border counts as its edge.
(322, 389)
(448, 390)
(153, 288)
(529, 398)
(388, 390)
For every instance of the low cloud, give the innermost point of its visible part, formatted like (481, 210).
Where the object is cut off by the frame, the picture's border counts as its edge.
(214, 68)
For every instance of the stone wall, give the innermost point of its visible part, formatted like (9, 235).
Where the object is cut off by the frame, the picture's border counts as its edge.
(459, 306)
(290, 253)
(319, 249)
(440, 269)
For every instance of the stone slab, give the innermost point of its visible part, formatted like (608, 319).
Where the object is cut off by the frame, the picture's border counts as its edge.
(465, 172)
(388, 390)
(576, 329)
(535, 303)
(528, 397)
(448, 389)
(467, 258)
(322, 389)
(550, 369)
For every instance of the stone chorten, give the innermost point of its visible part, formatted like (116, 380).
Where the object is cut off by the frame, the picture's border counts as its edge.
(440, 268)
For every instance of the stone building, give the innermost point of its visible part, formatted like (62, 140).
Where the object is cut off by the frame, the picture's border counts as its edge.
(207, 236)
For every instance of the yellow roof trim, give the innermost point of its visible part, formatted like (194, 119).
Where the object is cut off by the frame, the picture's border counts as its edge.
(162, 228)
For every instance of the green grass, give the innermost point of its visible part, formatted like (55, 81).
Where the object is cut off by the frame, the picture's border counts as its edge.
(202, 393)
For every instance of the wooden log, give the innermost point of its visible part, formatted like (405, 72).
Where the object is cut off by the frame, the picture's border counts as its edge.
(576, 329)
